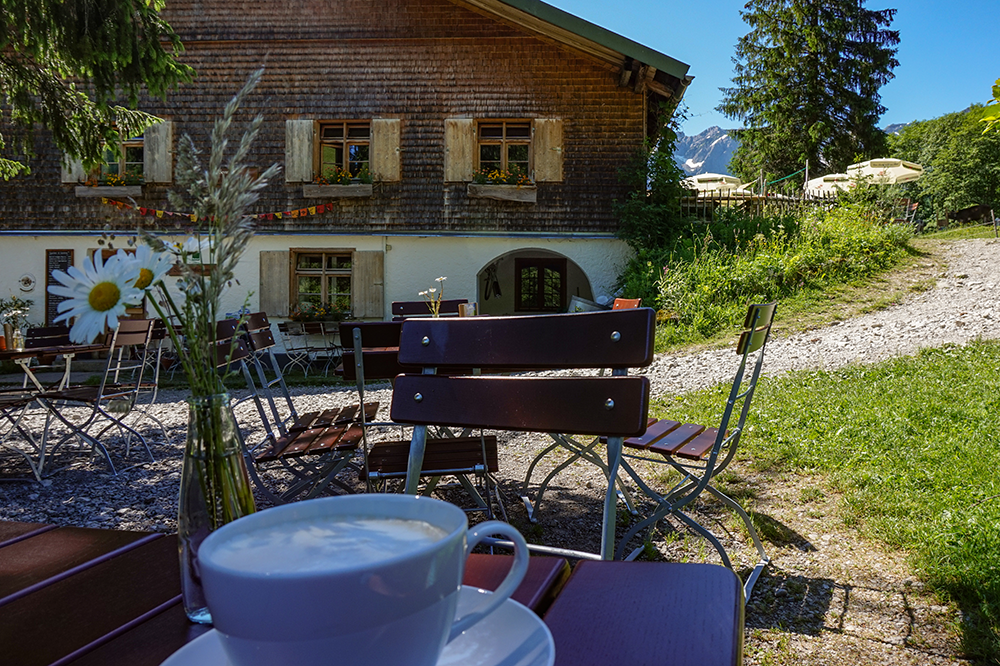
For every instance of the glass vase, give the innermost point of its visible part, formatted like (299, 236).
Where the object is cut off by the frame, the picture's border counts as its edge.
(215, 490)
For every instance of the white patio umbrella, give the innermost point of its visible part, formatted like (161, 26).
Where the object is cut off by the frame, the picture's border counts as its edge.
(886, 171)
(831, 182)
(705, 182)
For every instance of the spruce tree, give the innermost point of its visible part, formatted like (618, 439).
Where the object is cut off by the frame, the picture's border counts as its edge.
(68, 64)
(806, 85)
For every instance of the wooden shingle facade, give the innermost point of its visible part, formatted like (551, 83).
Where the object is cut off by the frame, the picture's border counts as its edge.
(428, 80)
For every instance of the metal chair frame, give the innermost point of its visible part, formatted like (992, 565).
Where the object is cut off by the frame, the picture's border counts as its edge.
(113, 399)
(697, 469)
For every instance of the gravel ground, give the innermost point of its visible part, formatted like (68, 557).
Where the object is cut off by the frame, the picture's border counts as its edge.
(828, 596)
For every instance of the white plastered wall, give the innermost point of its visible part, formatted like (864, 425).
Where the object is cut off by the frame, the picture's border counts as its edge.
(411, 262)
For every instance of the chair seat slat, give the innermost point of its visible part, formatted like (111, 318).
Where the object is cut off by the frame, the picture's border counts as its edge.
(676, 439)
(654, 431)
(440, 454)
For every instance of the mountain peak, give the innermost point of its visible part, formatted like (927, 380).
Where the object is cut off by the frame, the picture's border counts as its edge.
(706, 152)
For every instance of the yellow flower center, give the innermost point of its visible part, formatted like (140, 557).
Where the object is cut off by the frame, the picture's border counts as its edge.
(145, 277)
(104, 296)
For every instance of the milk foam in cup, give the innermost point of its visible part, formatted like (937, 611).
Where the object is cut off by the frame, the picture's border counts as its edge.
(365, 580)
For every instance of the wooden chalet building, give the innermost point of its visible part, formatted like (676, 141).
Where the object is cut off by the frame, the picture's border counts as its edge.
(420, 94)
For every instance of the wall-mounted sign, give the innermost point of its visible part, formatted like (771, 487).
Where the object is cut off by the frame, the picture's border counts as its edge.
(54, 260)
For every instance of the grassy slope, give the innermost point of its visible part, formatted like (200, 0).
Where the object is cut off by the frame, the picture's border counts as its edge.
(917, 467)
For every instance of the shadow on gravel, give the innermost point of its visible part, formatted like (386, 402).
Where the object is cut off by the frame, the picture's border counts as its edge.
(796, 604)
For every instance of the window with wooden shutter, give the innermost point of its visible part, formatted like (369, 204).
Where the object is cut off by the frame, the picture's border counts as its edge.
(275, 271)
(73, 171)
(385, 157)
(368, 291)
(299, 141)
(548, 150)
(459, 149)
(158, 152)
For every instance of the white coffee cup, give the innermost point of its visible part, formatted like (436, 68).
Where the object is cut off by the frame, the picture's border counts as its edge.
(296, 585)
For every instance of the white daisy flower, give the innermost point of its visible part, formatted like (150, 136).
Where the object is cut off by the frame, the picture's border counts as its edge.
(152, 267)
(196, 246)
(97, 295)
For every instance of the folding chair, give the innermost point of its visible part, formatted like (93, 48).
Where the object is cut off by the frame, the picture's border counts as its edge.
(83, 407)
(152, 358)
(298, 352)
(14, 409)
(45, 336)
(314, 447)
(700, 453)
(614, 406)
(464, 457)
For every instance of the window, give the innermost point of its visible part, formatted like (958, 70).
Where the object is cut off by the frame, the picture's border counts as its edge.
(505, 146)
(323, 277)
(344, 149)
(539, 284)
(126, 168)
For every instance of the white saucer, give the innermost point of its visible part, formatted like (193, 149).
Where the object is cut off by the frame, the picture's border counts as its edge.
(511, 636)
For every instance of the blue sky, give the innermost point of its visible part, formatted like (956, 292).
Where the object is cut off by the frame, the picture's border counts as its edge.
(947, 50)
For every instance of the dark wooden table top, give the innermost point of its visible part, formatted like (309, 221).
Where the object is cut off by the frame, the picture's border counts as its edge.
(56, 350)
(80, 596)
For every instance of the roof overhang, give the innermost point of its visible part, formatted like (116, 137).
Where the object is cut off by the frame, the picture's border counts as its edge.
(638, 66)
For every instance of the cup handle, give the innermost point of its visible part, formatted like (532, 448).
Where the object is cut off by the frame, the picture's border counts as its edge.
(509, 584)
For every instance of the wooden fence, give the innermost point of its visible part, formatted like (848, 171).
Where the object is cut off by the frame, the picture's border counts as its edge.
(704, 205)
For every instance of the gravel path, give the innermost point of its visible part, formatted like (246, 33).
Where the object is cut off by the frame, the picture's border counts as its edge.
(828, 596)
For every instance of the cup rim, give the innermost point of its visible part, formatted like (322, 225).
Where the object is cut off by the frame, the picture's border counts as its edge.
(241, 525)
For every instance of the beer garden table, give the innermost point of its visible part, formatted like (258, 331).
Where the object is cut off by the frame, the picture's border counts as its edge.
(88, 597)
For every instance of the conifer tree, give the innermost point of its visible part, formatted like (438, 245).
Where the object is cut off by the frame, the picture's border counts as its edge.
(806, 85)
(68, 64)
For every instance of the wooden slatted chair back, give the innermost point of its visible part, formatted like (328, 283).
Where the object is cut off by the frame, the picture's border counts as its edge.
(605, 339)
(626, 303)
(614, 406)
(375, 335)
(46, 336)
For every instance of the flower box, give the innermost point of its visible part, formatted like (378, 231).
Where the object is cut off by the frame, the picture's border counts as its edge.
(108, 191)
(522, 193)
(353, 191)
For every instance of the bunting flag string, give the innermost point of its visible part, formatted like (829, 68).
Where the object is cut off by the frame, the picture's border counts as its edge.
(309, 211)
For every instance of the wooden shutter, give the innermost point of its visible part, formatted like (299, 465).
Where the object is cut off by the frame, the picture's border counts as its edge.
(385, 164)
(72, 170)
(548, 149)
(366, 285)
(459, 149)
(299, 151)
(275, 282)
(157, 152)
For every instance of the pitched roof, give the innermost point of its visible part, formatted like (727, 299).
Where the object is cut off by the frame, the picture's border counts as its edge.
(664, 75)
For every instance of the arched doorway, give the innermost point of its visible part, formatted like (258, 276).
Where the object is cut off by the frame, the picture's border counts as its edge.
(530, 281)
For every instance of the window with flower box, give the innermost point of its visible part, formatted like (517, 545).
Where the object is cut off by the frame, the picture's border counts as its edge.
(504, 147)
(323, 278)
(350, 279)
(142, 160)
(344, 151)
(492, 155)
(341, 158)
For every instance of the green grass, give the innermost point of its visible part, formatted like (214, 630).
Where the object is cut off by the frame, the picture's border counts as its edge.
(910, 445)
